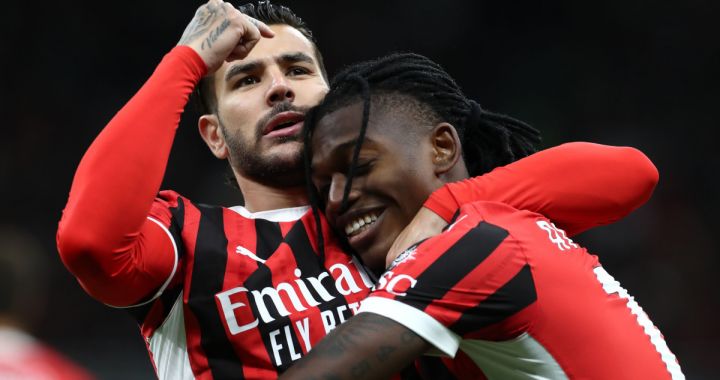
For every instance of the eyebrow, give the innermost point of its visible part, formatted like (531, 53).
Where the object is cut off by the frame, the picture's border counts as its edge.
(242, 68)
(247, 67)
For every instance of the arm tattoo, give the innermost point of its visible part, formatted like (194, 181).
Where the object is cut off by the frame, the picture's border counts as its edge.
(365, 347)
(215, 34)
(384, 352)
(409, 336)
(204, 17)
(360, 369)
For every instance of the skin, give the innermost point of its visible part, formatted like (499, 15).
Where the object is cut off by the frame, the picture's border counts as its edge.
(395, 179)
(263, 75)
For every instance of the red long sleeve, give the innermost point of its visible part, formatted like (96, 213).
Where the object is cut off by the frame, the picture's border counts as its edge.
(576, 185)
(104, 237)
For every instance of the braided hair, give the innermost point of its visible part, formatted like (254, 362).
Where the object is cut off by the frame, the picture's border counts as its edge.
(488, 139)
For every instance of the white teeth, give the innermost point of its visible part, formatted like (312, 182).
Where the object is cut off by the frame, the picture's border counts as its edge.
(360, 222)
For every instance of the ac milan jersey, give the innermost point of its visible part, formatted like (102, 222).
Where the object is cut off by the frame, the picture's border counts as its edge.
(244, 295)
(249, 294)
(509, 296)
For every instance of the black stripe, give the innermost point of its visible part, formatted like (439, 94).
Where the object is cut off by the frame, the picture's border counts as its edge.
(207, 280)
(310, 266)
(515, 295)
(269, 237)
(450, 268)
(176, 226)
(307, 261)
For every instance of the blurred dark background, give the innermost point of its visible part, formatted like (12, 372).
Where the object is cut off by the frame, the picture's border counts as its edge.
(638, 73)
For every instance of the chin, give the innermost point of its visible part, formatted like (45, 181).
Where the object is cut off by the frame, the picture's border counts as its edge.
(374, 259)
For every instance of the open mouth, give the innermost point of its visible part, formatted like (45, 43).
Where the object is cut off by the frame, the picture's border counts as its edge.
(284, 124)
(361, 227)
(360, 223)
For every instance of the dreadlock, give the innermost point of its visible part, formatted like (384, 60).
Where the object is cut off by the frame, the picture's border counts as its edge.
(488, 139)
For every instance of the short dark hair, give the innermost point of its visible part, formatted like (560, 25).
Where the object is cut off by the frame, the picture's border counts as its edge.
(270, 14)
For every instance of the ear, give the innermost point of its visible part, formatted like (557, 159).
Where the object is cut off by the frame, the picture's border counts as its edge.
(209, 127)
(446, 148)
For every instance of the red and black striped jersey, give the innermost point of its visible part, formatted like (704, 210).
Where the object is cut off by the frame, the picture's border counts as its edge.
(249, 294)
(216, 272)
(510, 296)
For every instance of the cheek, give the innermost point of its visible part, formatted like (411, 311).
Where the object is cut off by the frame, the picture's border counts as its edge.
(311, 93)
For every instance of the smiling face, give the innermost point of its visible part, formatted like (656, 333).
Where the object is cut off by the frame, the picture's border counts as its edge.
(261, 103)
(394, 176)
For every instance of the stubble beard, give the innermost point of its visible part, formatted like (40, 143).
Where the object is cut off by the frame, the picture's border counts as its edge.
(271, 169)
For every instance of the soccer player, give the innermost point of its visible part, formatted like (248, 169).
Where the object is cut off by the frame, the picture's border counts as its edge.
(503, 291)
(242, 292)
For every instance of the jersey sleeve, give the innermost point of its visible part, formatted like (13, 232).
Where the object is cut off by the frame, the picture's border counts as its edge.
(113, 234)
(576, 185)
(455, 283)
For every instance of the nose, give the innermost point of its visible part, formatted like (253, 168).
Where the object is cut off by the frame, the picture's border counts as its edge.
(335, 196)
(279, 90)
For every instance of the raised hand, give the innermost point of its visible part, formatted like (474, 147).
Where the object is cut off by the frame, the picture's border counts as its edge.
(220, 32)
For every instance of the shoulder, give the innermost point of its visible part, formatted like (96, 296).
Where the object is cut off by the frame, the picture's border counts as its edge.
(518, 224)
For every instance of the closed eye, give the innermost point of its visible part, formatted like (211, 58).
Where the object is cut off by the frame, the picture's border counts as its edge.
(363, 167)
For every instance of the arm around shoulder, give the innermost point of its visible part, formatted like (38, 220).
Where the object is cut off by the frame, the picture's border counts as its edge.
(577, 185)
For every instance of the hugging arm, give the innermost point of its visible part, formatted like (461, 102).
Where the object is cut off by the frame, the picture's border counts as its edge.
(368, 346)
(576, 185)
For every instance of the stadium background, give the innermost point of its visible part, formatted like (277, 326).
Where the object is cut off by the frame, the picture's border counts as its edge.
(636, 73)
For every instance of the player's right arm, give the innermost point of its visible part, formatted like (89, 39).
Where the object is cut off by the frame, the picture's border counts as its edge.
(105, 237)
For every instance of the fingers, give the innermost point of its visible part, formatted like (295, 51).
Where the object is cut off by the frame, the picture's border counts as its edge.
(252, 31)
(265, 30)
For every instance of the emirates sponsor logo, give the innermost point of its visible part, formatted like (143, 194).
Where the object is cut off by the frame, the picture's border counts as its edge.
(287, 297)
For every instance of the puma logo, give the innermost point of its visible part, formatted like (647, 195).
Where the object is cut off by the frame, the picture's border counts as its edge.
(246, 252)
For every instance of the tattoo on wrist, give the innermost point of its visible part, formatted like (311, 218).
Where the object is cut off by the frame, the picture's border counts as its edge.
(215, 34)
(204, 17)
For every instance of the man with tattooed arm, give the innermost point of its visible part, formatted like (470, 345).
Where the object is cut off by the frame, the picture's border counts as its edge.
(244, 291)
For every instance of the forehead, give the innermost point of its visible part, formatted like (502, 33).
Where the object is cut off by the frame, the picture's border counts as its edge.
(287, 40)
(341, 128)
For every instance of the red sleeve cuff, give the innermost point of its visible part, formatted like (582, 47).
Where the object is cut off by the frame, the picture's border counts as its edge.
(442, 202)
(190, 57)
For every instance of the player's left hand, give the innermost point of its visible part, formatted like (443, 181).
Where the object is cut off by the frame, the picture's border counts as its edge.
(425, 224)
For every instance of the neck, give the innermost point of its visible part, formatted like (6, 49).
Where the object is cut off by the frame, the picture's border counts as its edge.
(262, 197)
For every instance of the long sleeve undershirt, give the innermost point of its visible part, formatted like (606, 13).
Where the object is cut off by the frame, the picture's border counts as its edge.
(121, 257)
(577, 185)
